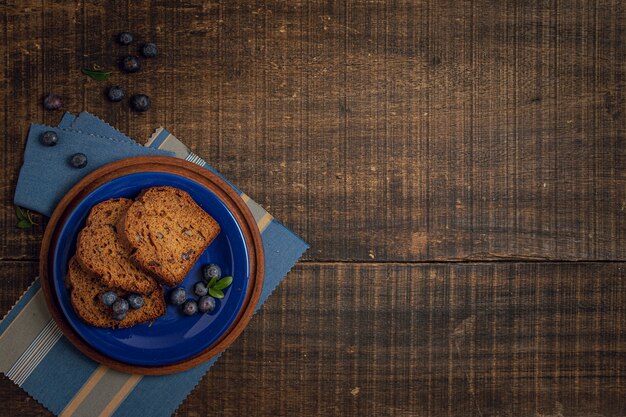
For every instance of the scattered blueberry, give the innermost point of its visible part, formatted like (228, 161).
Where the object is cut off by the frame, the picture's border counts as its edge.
(120, 306)
(135, 301)
(119, 316)
(78, 160)
(190, 307)
(178, 296)
(200, 289)
(52, 102)
(125, 38)
(108, 298)
(140, 102)
(115, 93)
(206, 304)
(212, 271)
(149, 50)
(131, 64)
(49, 138)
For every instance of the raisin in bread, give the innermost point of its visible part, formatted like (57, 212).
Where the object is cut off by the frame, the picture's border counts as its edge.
(168, 232)
(85, 290)
(100, 251)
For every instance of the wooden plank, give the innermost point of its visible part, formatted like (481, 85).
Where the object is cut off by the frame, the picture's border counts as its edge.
(462, 159)
(429, 339)
(412, 131)
(22, 69)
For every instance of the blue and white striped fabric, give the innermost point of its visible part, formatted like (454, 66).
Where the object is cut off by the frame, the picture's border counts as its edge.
(35, 355)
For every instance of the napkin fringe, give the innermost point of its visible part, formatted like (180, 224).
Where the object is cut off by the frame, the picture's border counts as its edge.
(4, 373)
(106, 123)
(72, 130)
(19, 298)
(56, 413)
(154, 135)
(195, 386)
(262, 302)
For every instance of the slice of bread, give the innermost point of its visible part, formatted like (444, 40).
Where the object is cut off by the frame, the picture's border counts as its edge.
(168, 232)
(85, 291)
(100, 251)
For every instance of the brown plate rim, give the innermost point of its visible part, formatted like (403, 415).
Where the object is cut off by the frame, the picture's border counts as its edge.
(193, 172)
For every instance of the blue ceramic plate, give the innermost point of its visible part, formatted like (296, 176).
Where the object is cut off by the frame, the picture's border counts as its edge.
(173, 337)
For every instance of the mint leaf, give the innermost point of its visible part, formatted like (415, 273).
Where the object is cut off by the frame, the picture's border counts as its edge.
(212, 282)
(25, 218)
(216, 293)
(20, 213)
(223, 283)
(29, 217)
(98, 75)
(24, 224)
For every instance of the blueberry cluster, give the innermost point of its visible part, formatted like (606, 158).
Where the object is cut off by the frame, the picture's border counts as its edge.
(205, 303)
(120, 306)
(131, 64)
(148, 50)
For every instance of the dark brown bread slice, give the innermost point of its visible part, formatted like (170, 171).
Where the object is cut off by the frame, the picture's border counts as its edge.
(100, 251)
(168, 231)
(85, 291)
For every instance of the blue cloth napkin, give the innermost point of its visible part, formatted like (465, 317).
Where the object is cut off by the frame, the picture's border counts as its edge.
(46, 175)
(35, 355)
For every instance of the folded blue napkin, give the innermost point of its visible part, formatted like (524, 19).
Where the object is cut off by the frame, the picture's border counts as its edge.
(35, 355)
(46, 175)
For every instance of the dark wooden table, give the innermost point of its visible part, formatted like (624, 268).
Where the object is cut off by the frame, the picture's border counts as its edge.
(456, 166)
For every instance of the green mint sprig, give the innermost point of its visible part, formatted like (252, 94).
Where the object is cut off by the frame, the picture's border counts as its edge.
(96, 74)
(216, 286)
(24, 217)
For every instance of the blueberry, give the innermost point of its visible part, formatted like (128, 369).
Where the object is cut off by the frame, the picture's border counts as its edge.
(140, 102)
(115, 93)
(108, 298)
(49, 138)
(52, 102)
(212, 271)
(190, 307)
(119, 316)
(200, 289)
(149, 50)
(178, 296)
(135, 301)
(131, 64)
(125, 38)
(78, 160)
(206, 304)
(120, 306)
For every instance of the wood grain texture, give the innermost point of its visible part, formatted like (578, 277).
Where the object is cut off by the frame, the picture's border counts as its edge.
(472, 130)
(417, 340)
(399, 132)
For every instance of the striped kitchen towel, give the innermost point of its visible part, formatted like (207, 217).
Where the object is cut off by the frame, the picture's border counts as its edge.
(37, 357)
